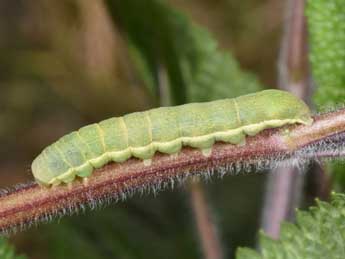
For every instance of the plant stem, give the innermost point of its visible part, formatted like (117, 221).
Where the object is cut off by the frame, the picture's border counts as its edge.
(202, 213)
(284, 186)
(30, 203)
(206, 226)
(293, 60)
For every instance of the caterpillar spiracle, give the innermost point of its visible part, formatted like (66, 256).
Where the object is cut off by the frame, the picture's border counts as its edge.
(166, 129)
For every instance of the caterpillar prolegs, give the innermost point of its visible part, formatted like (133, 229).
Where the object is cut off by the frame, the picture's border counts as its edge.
(166, 129)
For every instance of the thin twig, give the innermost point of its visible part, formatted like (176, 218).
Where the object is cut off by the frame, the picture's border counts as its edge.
(284, 186)
(293, 73)
(30, 204)
(209, 237)
(206, 227)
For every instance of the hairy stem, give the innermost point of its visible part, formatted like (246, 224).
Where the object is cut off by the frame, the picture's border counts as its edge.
(30, 203)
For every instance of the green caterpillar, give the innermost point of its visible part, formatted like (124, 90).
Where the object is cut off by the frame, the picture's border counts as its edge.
(166, 130)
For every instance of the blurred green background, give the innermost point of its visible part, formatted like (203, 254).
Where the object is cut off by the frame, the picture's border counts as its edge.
(67, 63)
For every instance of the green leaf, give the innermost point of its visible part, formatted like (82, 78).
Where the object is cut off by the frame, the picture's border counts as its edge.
(214, 74)
(338, 175)
(163, 39)
(326, 20)
(247, 253)
(7, 251)
(318, 233)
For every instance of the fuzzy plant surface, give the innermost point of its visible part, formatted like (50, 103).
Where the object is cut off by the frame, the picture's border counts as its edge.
(318, 233)
(326, 25)
(7, 251)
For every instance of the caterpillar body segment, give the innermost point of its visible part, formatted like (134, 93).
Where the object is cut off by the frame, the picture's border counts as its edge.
(166, 130)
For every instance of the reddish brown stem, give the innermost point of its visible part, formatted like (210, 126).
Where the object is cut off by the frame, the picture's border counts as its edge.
(32, 203)
(205, 223)
(206, 227)
(293, 61)
(284, 186)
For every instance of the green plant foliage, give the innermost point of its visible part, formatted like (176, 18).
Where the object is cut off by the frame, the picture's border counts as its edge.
(7, 251)
(326, 20)
(318, 233)
(326, 25)
(337, 168)
(163, 39)
(214, 74)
